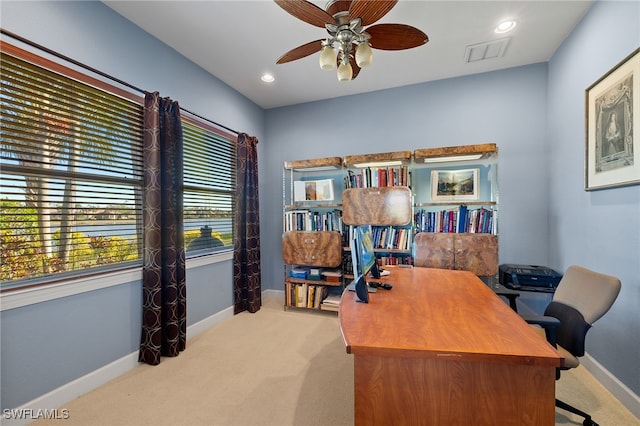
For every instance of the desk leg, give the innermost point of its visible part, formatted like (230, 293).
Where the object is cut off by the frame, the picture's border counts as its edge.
(432, 391)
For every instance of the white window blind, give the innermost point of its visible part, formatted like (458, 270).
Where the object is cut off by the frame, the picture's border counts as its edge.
(70, 176)
(209, 188)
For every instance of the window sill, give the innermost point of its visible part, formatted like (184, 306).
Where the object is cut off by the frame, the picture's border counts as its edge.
(29, 296)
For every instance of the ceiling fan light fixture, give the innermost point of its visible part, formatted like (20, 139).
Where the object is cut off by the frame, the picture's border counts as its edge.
(364, 55)
(345, 72)
(352, 33)
(328, 56)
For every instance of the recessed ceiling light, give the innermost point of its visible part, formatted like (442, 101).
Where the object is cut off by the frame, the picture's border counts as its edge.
(268, 78)
(505, 27)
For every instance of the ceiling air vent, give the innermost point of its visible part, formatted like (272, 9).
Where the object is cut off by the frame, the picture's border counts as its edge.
(487, 50)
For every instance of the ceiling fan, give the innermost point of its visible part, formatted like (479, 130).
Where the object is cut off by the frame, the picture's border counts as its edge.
(345, 21)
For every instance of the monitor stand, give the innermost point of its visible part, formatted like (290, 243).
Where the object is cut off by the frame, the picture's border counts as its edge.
(352, 287)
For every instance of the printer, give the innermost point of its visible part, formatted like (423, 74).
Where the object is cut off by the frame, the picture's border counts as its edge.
(529, 277)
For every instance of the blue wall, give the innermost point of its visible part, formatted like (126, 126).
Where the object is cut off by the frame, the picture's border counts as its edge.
(534, 113)
(597, 229)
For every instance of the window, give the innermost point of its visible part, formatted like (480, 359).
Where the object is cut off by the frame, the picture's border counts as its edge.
(70, 176)
(209, 187)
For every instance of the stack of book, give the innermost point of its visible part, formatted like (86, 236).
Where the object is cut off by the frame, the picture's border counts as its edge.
(332, 276)
(331, 303)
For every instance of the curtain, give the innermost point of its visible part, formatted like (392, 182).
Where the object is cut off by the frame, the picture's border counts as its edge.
(246, 254)
(164, 312)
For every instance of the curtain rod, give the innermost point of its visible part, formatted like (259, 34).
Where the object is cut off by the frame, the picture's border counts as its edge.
(66, 58)
(100, 73)
(210, 121)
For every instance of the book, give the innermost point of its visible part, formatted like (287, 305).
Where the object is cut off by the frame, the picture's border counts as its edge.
(332, 276)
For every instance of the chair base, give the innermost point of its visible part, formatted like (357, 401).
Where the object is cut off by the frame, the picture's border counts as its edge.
(587, 418)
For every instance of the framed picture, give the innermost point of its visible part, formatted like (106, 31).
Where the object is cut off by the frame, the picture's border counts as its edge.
(612, 125)
(313, 190)
(454, 185)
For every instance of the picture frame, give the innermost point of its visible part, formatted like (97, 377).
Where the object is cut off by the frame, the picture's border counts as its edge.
(612, 103)
(313, 190)
(455, 185)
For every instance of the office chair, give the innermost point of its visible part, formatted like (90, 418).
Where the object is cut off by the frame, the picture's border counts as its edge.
(582, 297)
(433, 250)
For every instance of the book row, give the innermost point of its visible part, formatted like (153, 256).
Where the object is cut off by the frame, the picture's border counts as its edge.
(305, 220)
(386, 237)
(383, 259)
(305, 295)
(461, 220)
(378, 177)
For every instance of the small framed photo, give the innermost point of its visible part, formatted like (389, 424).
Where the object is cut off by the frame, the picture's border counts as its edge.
(454, 185)
(612, 155)
(313, 190)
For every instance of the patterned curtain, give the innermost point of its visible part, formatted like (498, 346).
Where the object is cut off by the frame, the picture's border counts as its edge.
(246, 255)
(164, 313)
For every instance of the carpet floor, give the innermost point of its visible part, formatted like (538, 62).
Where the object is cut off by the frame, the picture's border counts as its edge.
(274, 368)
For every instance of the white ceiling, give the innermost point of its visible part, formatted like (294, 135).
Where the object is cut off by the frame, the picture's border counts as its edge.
(239, 40)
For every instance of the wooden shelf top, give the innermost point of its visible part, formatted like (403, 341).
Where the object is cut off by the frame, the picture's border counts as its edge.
(351, 160)
(327, 163)
(451, 151)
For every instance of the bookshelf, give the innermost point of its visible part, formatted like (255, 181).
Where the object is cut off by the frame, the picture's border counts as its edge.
(456, 189)
(379, 194)
(312, 232)
(445, 190)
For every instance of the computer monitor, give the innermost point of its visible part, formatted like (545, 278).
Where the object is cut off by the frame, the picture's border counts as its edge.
(364, 260)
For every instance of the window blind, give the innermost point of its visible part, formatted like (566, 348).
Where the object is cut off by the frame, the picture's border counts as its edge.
(71, 175)
(209, 188)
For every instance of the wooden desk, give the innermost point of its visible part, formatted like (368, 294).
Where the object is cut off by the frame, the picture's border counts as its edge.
(441, 348)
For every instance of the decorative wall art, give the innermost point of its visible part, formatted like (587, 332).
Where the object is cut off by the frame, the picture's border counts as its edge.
(454, 185)
(612, 125)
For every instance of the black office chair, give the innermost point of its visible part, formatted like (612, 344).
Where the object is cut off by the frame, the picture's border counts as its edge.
(582, 297)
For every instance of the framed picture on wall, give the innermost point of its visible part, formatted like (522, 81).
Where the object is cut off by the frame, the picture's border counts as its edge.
(612, 127)
(454, 185)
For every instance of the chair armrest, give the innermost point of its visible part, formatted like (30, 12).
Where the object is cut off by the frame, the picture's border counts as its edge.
(511, 296)
(548, 323)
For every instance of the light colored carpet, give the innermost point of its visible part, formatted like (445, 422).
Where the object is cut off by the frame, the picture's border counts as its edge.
(273, 368)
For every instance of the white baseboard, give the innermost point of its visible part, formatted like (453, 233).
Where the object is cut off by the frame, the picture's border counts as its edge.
(618, 389)
(273, 294)
(58, 397)
(197, 328)
(42, 406)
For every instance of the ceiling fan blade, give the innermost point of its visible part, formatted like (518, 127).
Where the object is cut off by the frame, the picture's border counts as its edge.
(395, 37)
(307, 12)
(300, 52)
(337, 6)
(369, 11)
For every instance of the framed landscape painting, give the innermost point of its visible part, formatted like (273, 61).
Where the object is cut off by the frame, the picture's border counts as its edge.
(612, 155)
(454, 185)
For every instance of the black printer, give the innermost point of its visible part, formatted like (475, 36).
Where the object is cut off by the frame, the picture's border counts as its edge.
(529, 277)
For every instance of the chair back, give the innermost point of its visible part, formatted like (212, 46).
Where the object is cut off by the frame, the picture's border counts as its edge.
(433, 250)
(477, 253)
(590, 293)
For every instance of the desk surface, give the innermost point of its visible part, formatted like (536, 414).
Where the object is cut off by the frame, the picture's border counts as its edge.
(443, 314)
